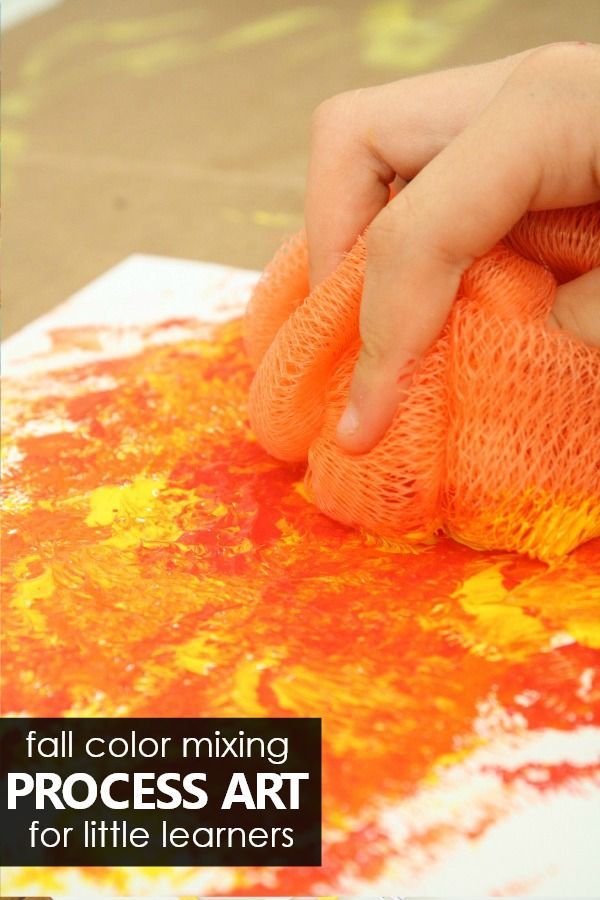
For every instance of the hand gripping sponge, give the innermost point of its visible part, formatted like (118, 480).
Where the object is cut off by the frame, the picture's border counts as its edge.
(498, 440)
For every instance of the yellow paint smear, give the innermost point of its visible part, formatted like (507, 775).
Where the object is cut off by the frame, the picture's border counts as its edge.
(411, 36)
(28, 592)
(501, 626)
(137, 512)
(271, 28)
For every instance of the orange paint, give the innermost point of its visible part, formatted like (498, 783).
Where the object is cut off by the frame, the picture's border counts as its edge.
(158, 563)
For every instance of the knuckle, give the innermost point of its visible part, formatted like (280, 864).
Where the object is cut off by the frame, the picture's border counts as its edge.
(384, 234)
(564, 317)
(556, 62)
(403, 231)
(331, 114)
(326, 111)
(399, 228)
(375, 345)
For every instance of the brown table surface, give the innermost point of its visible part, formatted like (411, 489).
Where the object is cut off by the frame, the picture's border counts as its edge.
(181, 128)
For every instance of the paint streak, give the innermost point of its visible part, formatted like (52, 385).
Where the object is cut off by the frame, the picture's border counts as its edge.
(47, 53)
(273, 27)
(140, 47)
(157, 562)
(14, 142)
(262, 217)
(408, 36)
(501, 627)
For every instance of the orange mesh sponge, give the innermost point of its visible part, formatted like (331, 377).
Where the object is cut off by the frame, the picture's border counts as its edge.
(498, 440)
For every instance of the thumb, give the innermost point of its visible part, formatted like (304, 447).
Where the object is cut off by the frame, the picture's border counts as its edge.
(577, 308)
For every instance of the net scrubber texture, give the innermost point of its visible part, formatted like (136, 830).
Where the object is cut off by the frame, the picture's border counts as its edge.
(498, 440)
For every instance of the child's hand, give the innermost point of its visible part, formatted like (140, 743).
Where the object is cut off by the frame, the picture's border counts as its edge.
(480, 146)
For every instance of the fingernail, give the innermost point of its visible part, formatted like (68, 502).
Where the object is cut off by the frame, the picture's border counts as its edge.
(348, 424)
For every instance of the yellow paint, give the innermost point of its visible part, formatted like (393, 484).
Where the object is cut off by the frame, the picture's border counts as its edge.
(300, 488)
(16, 104)
(13, 144)
(402, 546)
(21, 568)
(40, 74)
(449, 760)
(541, 525)
(109, 502)
(410, 36)
(573, 610)
(587, 632)
(194, 655)
(263, 217)
(28, 592)
(47, 52)
(290, 535)
(246, 685)
(271, 28)
(141, 46)
(501, 627)
(148, 59)
(244, 546)
(276, 219)
(327, 693)
(566, 519)
(142, 28)
(324, 43)
(139, 512)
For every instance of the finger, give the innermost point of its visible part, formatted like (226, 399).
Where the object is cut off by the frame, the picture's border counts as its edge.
(362, 140)
(577, 308)
(348, 182)
(459, 206)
